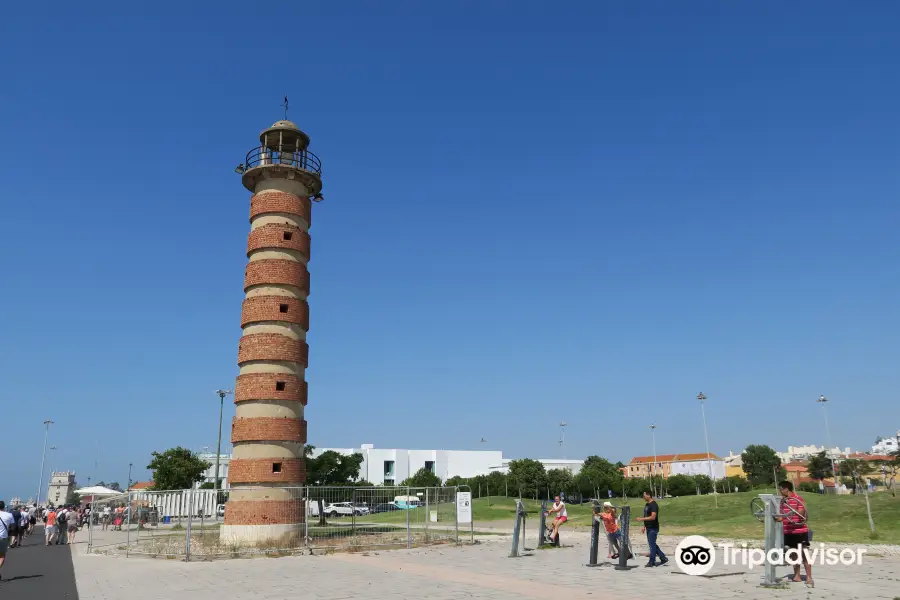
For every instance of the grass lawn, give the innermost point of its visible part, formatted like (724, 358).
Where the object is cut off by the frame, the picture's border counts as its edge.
(832, 518)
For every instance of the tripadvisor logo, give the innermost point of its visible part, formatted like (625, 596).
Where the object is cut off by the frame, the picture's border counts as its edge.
(696, 555)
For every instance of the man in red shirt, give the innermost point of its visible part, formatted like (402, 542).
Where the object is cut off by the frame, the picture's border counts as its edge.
(796, 532)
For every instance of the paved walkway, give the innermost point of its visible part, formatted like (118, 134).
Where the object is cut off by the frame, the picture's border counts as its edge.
(456, 573)
(38, 571)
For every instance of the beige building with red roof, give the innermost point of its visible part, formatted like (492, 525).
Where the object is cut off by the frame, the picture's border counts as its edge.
(695, 463)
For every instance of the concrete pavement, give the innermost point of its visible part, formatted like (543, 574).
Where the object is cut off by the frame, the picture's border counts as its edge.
(38, 571)
(454, 573)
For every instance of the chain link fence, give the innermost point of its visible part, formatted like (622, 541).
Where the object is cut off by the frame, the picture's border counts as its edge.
(192, 524)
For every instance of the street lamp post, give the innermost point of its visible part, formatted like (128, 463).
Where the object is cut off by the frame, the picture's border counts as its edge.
(562, 437)
(702, 398)
(129, 476)
(47, 425)
(653, 434)
(822, 400)
(222, 394)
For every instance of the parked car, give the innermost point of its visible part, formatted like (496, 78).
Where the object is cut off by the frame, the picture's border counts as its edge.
(345, 509)
(386, 507)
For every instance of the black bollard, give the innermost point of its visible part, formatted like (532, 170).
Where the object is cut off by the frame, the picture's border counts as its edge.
(624, 546)
(595, 542)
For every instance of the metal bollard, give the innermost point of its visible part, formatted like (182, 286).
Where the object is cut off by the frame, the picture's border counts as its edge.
(542, 527)
(624, 545)
(595, 542)
(518, 531)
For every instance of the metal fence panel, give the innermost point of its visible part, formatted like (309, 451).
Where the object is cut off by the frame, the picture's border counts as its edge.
(187, 524)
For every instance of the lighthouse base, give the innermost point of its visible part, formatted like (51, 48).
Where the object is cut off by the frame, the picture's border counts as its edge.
(276, 536)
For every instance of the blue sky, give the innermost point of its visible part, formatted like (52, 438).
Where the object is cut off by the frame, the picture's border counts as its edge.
(530, 215)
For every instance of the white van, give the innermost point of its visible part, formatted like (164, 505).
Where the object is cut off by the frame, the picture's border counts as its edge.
(407, 502)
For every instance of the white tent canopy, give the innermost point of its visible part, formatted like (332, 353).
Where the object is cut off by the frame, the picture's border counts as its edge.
(97, 491)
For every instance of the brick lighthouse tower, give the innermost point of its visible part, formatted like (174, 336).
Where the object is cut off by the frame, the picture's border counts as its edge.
(269, 431)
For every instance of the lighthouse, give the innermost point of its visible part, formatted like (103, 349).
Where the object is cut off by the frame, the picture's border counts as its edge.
(268, 432)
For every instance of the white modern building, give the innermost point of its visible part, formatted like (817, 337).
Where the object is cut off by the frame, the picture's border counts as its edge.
(209, 476)
(798, 453)
(62, 483)
(887, 445)
(390, 466)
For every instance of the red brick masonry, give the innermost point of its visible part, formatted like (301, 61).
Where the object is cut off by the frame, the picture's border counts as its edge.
(268, 308)
(260, 470)
(276, 270)
(272, 236)
(272, 346)
(264, 386)
(257, 429)
(264, 512)
(280, 202)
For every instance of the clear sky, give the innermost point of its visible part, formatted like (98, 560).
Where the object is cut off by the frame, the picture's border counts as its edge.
(532, 213)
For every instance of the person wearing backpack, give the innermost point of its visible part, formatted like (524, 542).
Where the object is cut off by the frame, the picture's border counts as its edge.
(15, 532)
(62, 519)
(6, 522)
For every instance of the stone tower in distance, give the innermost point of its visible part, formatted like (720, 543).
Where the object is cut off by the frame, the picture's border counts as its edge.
(269, 431)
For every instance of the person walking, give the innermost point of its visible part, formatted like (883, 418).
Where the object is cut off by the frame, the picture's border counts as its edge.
(23, 525)
(796, 531)
(73, 520)
(62, 521)
(651, 528)
(6, 521)
(15, 531)
(50, 536)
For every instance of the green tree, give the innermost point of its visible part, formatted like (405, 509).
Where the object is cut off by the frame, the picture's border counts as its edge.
(73, 499)
(456, 480)
(681, 485)
(176, 469)
(760, 462)
(422, 478)
(703, 483)
(527, 476)
(332, 468)
(560, 481)
(597, 475)
(207, 485)
(819, 466)
(496, 482)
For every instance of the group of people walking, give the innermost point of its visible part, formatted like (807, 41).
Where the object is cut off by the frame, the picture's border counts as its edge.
(18, 522)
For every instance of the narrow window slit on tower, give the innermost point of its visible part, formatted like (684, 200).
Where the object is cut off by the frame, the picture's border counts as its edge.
(283, 308)
(279, 386)
(287, 235)
(276, 467)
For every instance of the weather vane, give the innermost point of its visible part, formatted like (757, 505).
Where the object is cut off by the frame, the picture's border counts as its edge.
(285, 107)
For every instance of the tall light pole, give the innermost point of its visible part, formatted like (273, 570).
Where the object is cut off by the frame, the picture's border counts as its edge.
(653, 434)
(129, 476)
(47, 425)
(562, 437)
(822, 400)
(222, 394)
(702, 398)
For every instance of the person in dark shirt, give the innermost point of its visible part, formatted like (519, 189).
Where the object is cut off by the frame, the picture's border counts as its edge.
(651, 528)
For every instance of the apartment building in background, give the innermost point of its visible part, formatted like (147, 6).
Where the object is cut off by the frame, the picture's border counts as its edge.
(666, 465)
